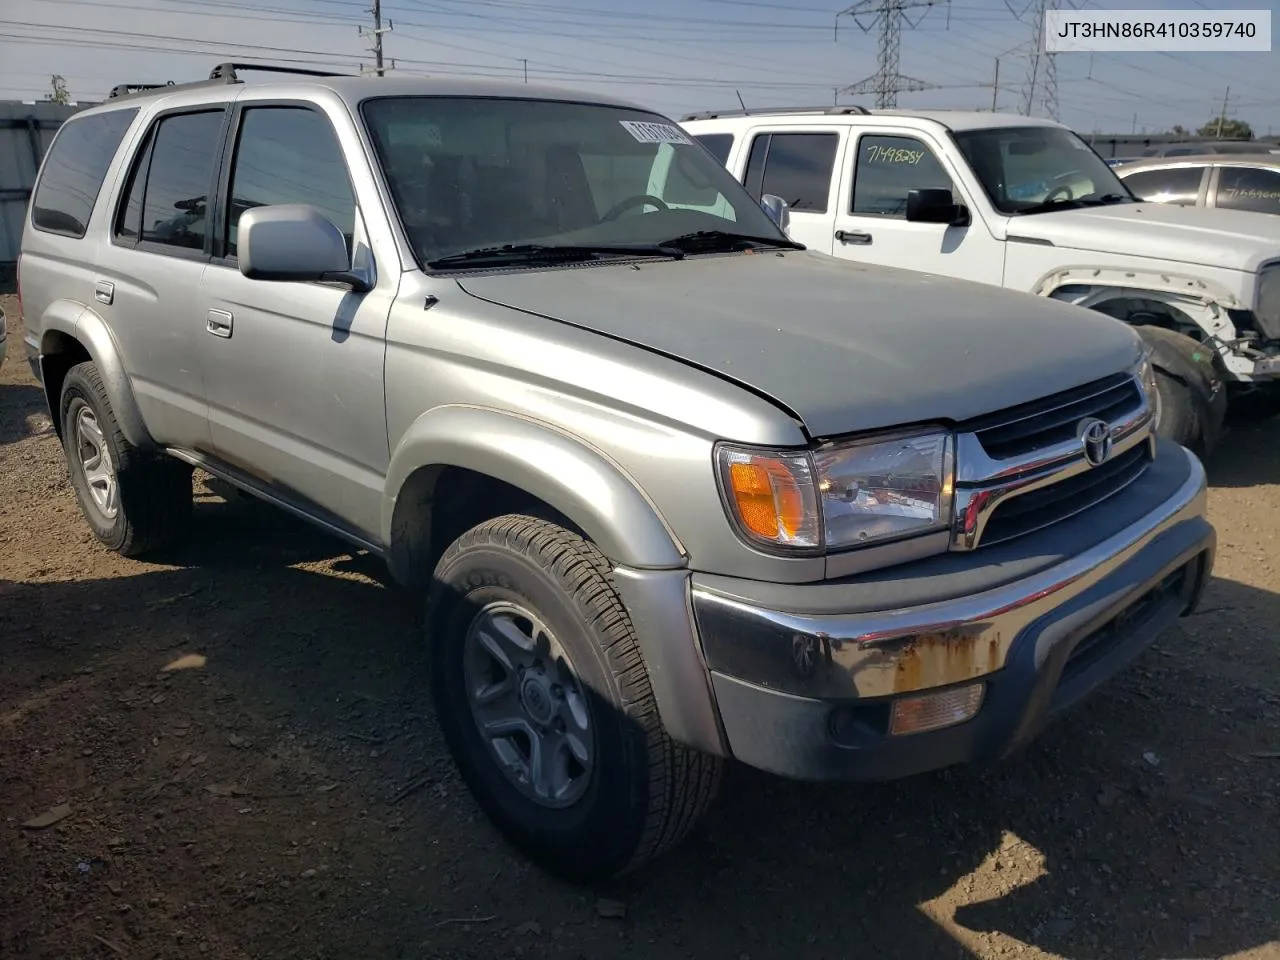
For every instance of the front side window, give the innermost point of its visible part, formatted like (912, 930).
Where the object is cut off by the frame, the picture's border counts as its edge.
(168, 194)
(1249, 188)
(289, 155)
(794, 166)
(467, 173)
(73, 173)
(1179, 185)
(888, 168)
(1026, 170)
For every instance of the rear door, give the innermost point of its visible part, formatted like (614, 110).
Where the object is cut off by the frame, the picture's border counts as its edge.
(800, 165)
(871, 225)
(1238, 187)
(148, 273)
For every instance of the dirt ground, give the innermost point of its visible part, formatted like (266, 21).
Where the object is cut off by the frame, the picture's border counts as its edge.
(253, 770)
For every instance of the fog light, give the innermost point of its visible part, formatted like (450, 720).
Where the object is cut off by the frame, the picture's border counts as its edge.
(935, 710)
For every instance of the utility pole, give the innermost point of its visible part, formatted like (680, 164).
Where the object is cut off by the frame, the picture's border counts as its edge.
(1222, 117)
(886, 83)
(995, 86)
(376, 35)
(526, 69)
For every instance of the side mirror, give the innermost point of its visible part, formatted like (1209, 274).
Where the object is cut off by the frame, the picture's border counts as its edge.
(936, 206)
(292, 243)
(777, 210)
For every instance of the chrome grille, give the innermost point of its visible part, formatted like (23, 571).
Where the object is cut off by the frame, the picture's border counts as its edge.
(1052, 420)
(1024, 468)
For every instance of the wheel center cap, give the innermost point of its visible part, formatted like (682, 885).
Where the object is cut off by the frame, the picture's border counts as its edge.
(536, 697)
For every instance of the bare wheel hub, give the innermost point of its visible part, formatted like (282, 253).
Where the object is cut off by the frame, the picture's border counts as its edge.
(528, 705)
(95, 461)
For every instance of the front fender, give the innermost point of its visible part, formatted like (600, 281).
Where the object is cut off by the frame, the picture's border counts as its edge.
(561, 470)
(65, 319)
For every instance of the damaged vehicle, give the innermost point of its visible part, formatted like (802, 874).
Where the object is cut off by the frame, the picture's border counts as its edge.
(1027, 204)
(673, 490)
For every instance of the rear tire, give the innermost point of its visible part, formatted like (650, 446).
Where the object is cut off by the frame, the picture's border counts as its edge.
(135, 502)
(541, 597)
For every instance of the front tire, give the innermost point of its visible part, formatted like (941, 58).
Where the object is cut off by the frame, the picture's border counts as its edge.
(545, 703)
(135, 502)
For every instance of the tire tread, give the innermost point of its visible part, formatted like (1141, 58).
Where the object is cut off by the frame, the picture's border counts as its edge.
(682, 782)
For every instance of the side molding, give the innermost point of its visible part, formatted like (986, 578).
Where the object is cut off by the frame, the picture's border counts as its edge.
(563, 471)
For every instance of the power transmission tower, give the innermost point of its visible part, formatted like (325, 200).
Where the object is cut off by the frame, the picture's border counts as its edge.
(886, 83)
(1040, 60)
(376, 37)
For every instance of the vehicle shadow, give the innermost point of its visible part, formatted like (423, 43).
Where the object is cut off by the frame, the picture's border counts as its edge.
(1248, 456)
(1080, 846)
(25, 413)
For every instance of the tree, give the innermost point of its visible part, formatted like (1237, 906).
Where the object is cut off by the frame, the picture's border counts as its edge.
(1179, 130)
(1230, 130)
(59, 94)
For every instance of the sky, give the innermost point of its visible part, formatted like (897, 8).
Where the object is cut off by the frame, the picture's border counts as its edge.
(675, 56)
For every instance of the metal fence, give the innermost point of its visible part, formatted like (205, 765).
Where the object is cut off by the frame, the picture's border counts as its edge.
(26, 130)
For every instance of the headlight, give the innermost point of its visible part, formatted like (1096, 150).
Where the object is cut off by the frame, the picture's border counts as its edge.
(1268, 310)
(845, 495)
(1146, 376)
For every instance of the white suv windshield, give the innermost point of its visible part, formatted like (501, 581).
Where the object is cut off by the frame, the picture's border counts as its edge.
(468, 173)
(1034, 169)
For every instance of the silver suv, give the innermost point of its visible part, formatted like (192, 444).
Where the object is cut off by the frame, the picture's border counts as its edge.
(675, 490)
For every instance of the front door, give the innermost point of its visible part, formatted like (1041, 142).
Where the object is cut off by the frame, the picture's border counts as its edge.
(294, 371)
(871, 224)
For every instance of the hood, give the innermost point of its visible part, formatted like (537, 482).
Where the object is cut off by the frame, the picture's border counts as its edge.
(1230, 239)
(843, 346)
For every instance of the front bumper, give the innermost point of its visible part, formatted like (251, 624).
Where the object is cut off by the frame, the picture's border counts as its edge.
(804, 689)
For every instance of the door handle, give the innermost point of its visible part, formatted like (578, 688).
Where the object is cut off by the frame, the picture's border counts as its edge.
(218, 322)
(104, 291)
(853, 236)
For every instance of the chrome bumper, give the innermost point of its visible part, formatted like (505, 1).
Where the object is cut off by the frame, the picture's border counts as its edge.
(892, 652)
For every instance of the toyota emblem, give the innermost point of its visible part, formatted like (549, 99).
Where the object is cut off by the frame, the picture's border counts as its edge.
(1095, 438)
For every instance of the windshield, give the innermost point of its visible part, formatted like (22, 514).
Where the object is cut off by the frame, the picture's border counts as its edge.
(468, 173)
(1029, 169)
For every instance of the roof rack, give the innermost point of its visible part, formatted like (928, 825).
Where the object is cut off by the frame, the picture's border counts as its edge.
(761, 111)
(223, 73)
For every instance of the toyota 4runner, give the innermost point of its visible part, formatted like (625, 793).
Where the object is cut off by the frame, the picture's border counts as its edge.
(1026, 204)
(673, 489)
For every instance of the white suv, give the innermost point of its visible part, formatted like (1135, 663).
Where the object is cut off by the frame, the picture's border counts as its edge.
(1024, 203)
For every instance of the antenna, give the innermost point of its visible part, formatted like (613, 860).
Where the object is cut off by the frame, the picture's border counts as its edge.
(745, 112)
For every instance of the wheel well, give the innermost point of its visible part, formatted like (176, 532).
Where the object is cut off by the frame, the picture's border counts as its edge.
(59, 352)
(1134, 309)
(437, 504)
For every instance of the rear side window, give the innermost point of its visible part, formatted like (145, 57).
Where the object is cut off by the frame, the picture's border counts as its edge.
(1178, 185)
(1249, 188)
(167, 200)
(73, 173)
(719, 144)
(794, 166)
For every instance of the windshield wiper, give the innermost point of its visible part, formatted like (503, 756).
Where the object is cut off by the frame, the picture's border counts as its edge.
(725, 239)
(1051, 205)
(553, 253)
(1103, 201)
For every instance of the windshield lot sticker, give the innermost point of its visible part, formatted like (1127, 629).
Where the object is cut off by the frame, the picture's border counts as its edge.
(896, 155)
(646, 132)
